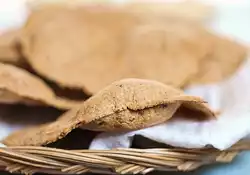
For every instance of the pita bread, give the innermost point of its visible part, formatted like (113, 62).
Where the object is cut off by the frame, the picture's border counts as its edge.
(77, 48)
(19, 86)
(169, 52)
(129, 104)
(104, 41)
(9, 51)
(221, 62)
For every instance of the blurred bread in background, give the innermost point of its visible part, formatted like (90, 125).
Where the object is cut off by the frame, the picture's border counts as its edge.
(185, 9)
(93, 44)
(221, 62)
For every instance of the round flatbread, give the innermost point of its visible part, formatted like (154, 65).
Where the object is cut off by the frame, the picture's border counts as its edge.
(125, 105)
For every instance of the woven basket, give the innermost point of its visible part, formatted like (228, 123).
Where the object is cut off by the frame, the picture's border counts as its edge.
(29, 160)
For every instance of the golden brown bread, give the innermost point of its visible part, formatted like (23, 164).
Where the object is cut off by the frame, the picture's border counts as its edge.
(90, 49)
(75, 47)
(19, 86)
(128, 104)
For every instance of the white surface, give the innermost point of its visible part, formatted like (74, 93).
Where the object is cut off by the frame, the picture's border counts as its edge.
(2, 145)
(232, 19)
(6, 129)
(13, 13)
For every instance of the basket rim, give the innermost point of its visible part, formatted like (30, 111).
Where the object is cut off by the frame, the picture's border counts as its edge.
(32, 159)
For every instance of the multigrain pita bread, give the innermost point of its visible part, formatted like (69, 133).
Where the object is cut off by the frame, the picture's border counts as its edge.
(9, 51)
(221, 62)
(129, 104)
(19, 86)
(168, 52)
(77, 48)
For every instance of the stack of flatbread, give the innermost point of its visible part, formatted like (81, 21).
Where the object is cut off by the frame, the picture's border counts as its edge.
(130, 63)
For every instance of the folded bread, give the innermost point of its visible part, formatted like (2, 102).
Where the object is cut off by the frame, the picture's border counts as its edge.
(128, 104)
(19, 86)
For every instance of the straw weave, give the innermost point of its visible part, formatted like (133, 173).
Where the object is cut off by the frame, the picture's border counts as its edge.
(29, 160)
